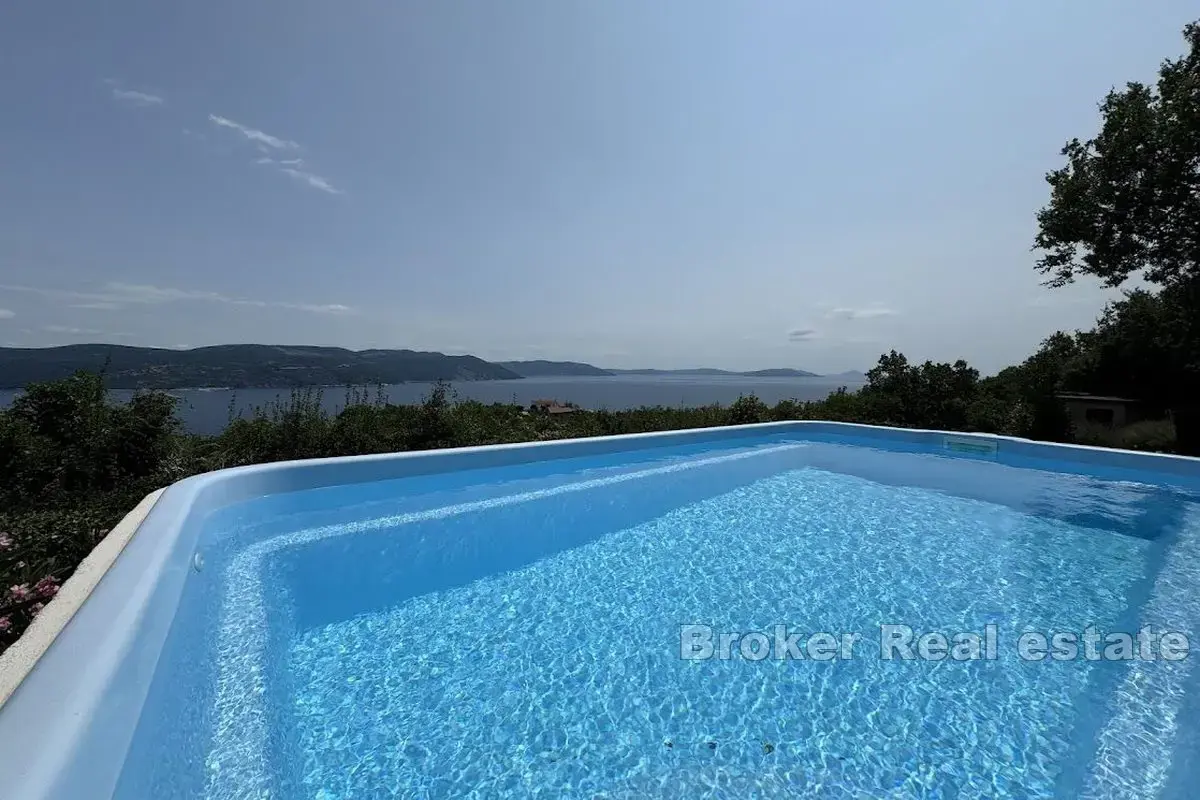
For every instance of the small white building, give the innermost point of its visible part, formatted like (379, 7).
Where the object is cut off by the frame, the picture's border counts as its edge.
(1106, 411)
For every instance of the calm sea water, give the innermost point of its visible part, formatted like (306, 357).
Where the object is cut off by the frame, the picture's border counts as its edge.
(207, 410)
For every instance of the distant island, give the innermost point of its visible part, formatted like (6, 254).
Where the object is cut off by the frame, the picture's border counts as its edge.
(240, 366)
(759, 373)
(552, 369)
(548, 369)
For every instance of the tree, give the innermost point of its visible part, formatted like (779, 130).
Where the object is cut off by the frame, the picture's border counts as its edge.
(62, 439)
(1137, 348)
(1127, 204)
(1040, 378)
(929, 395)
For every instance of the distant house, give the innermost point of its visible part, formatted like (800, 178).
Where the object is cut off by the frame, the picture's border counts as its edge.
(1109, 412)
(551, 407)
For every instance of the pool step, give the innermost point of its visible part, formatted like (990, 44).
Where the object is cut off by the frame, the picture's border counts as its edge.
(1136, 749)
(380, 556)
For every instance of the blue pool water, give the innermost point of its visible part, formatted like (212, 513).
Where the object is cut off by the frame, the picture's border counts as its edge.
(516, 632)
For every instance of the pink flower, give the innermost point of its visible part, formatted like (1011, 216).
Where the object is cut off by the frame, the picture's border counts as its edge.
(47, 587)
(5, 624)
(19, 593)
(5, 541)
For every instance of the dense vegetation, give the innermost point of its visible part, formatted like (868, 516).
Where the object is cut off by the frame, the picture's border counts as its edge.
(239, 366)
(1126, 204)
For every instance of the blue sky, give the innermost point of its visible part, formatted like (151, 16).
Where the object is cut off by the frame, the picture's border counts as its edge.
(629, 183)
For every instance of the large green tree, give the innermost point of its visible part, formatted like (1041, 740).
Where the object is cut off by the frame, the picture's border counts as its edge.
(926, 395)
(1127, 205)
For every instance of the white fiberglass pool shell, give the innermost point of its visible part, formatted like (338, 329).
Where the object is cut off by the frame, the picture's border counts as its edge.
(74, 687)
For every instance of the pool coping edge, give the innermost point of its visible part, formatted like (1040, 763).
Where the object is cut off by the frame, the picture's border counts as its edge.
(22, 656)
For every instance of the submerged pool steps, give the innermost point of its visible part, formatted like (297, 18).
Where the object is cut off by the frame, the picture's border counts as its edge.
(243, 694)
(1138, 754)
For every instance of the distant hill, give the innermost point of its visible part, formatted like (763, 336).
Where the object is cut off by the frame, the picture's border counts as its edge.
(761, 373)
(239, 366)
(850, 375)
(781, 373)
(698, 371)
(548, 369)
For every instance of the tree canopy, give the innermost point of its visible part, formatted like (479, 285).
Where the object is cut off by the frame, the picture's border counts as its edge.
(1127, 205)
(1128, 201)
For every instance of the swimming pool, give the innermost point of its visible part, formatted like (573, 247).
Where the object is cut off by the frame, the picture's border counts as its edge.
(757, 611)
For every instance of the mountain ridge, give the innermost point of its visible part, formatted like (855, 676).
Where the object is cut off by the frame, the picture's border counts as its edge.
(709, 371)
(239, 366)
(280, 366)
(541, 368)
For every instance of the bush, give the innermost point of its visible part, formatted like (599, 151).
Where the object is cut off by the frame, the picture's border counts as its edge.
(39, 550)
(65, 440)
(1157, 436)
(746, 410)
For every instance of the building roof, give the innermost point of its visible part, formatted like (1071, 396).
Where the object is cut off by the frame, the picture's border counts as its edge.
(1093, 398)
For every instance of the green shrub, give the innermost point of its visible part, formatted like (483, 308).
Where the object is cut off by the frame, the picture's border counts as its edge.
(1156, 436)
(66, 439)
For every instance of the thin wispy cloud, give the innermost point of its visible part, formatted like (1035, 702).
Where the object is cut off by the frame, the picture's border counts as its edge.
(267, 144)
(69, 330)
(321, 308)
(6, 314)
(869, 312)
(134, 98)
(115, 296)
(315, 181)
(253, 134)
(98, 306)
(801, 335)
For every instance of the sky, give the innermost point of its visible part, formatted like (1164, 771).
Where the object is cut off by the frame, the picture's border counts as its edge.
(668, 184)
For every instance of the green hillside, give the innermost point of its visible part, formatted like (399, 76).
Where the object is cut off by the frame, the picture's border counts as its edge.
(239, 366)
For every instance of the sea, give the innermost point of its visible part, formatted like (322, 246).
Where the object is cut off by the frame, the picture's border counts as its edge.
(207, 411)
